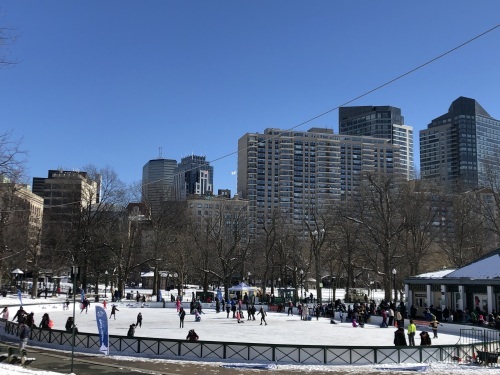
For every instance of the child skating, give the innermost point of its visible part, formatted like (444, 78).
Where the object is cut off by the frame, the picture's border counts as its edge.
(114, 309)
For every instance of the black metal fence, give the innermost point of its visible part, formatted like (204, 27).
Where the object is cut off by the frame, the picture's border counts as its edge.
(485, 345)
(466, 351)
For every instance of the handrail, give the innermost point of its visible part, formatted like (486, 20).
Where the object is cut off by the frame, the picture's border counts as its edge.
(245, 352)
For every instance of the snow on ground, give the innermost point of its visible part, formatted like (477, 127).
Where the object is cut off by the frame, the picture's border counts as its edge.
(281, 328)
(11, 370)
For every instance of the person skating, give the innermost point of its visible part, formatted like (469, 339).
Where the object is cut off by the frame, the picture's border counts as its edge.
(85, 306)
(139, 320)
(384, 319)
(197, 316)
(233, 308)
(30, 319)
(239, 316)
(182, 315)
(434, 325)
(399, 337)
(391, 317)
(20, 315)
(192, 336)
(399, 319)
(228, 309)
(114, 309)
(44, 324)
(262, 314)
(412, 330)
(70, 324)
(131, 331)
(425, 339)
(253, 311)
(5, 313)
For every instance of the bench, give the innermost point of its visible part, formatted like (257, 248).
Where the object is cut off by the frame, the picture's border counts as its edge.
(487, 357)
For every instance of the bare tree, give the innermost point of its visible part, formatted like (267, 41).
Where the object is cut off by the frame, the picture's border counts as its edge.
(422, 220)
(161, 239)
(225, 232)
(489, 198)
(379, 202)
(12, 163)
(347, 245)
(12, 158)
(6, 40)
(79, 231)
(317, 231)
(464, 236)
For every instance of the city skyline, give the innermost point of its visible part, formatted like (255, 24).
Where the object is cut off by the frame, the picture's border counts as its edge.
(194, 78)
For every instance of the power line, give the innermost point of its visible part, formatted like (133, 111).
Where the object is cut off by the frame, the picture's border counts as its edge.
(376, 88)
(366, 93)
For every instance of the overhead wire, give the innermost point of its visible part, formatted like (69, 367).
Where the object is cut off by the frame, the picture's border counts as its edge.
(366, 93)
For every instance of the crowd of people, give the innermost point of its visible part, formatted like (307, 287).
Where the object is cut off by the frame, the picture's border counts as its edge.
(358, 314)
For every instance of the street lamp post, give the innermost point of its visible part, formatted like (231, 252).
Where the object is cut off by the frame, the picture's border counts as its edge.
(105, 283)
(249, 274)
(279, 286)
(317, 241)
(301, 284)
(394, 284)
(75, 274)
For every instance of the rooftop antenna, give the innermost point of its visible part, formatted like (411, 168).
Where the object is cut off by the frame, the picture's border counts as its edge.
(160, 149)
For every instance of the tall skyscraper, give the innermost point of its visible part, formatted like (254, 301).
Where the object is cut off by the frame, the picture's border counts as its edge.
(194, 175)
(158, 182)
(380, 122)
(457, 148)
(299, 172)
(63, 188)
(65, 195)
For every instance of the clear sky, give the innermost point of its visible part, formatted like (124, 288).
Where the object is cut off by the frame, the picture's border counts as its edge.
(110, 82)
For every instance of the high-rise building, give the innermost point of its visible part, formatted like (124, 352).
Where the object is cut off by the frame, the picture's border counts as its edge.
(64, 188)
(158, 181)
(458, 147)
(22, 213)
(301, 171)
(380, 122)
(194, 175)
(65, 195)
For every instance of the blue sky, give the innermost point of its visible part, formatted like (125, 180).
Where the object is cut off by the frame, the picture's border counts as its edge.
(110, 82)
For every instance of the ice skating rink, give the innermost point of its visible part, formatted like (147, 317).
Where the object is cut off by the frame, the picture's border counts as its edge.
(281, 328)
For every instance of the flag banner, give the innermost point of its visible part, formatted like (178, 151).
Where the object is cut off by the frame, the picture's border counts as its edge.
(83, 295)
(102, 327)
(160, 298)
(19, 296)
(219, 294)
